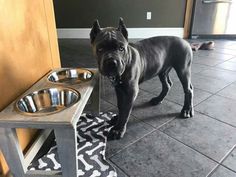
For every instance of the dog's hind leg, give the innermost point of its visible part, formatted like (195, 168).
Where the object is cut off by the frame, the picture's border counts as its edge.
(166, 85)
(185, 78)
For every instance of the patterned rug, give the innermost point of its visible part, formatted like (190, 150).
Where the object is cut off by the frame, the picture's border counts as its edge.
(91, 139)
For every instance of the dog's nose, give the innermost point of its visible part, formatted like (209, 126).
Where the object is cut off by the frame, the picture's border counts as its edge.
(110, 67)
(110, 63)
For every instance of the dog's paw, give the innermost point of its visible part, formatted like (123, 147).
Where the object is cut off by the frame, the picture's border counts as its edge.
(155, 101)
(187, 113)
(113, 121)
(115, 134)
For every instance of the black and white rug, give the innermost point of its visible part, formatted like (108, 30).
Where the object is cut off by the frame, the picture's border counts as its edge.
(91, 139)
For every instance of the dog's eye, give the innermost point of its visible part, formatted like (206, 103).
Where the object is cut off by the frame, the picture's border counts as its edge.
(121, 48)
(100, 50)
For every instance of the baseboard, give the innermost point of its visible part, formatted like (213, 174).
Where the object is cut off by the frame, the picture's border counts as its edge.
(83, 33)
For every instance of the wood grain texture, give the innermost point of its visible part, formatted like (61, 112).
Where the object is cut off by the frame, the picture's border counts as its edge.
(187, 19)
(12, 151)
(35, 147)
(3, 165)
(94, 106)
(25, 54)
(41, 173)
(52, 33)
(28, 50)
(66, 139)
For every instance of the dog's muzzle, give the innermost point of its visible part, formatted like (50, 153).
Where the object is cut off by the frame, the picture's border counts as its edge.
(111, 67)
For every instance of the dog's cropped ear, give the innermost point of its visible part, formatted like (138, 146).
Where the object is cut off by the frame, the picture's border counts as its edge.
(122, 28)
(94, 31)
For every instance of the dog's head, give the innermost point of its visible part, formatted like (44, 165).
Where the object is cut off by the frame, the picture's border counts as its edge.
(110, 48)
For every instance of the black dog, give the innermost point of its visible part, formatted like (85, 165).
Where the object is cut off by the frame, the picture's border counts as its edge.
(128, 65)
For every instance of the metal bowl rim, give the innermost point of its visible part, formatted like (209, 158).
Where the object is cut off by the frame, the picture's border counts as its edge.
(64, 83)
(16, 107)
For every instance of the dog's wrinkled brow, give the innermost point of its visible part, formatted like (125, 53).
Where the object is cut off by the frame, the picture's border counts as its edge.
(110, 35)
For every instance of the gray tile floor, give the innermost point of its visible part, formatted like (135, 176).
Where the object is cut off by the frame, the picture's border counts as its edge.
(157, 142)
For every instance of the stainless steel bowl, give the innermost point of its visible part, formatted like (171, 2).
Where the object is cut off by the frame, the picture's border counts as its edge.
(47, 101)
(70, 76)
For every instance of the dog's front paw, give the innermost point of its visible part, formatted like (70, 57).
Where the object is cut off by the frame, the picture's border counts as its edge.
(155, 101)
(187, 112)
(113, 121)
(115, 134)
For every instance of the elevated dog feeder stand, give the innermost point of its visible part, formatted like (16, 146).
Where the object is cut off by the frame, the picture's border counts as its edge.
(72, 103)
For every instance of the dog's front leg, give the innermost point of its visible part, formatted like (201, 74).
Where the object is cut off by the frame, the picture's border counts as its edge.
(126, 94)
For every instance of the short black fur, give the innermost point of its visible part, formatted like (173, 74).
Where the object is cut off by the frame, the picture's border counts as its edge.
(127, 65)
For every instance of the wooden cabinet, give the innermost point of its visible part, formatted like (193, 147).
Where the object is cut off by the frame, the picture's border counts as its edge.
(28, 50)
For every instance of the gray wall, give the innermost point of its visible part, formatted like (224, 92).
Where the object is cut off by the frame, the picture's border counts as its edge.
(81, 13)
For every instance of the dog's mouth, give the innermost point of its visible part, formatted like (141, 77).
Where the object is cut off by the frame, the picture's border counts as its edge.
(115, 80)
(111, 70)
(112, 78)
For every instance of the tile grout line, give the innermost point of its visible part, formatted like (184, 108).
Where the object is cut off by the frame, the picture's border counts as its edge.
(135, 117)
(212, 94)
(225, 53)
(116, 166)
(215, 66)
(211, 77)
(225, 69)
(155, 129)
(216, 119)
(213, 170)
(190, 147)
(228, 168)
(152, 125)
(220, 163)
(125, 147)
(225, 157)
(215, 94)
(210, 65)
(217, 58)
(228, 82)
(231, 150)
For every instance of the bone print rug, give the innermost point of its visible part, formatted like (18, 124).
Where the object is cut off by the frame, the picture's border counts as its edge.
(91, 139)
